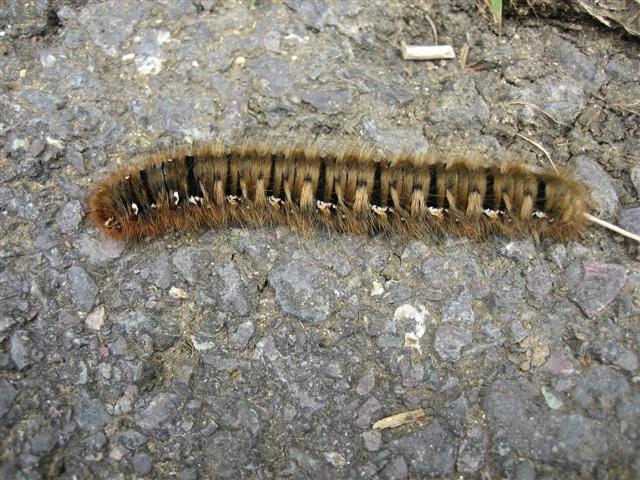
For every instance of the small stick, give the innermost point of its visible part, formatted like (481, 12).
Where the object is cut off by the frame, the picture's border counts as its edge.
(618, 154)
(612, 227)
(536, 144)
(624, 108)
(427, 52)
(433, 29)
(464, 52)
(399, 419)
(547, 114)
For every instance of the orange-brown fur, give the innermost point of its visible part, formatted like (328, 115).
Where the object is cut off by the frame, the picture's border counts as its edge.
(250, 185)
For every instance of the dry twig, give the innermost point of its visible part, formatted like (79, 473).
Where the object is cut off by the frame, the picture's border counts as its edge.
(427, 52)
(544, 150)
(541, 110)
(400, 419)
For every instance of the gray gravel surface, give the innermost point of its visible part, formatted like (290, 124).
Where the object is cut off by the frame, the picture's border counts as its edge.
(269, 353)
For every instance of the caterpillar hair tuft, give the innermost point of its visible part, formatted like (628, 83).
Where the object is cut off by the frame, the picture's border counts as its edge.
(345, 190)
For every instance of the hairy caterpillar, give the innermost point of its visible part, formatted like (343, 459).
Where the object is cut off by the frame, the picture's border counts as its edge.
(348, 190)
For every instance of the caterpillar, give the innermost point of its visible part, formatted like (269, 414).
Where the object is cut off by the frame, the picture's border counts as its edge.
(346, 190)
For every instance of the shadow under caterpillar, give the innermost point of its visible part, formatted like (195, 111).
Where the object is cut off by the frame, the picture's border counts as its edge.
(349, 190)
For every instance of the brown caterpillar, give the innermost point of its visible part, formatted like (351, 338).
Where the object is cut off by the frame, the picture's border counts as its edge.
(349, 190)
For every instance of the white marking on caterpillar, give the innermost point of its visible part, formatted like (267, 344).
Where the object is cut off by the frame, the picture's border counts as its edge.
(194, 200)
(275, 201)
(437, 212)
(109, 222)
(381, 211)
(233, 199)
(153, 205)
(325, 207)
(492, 214)
(320, 204)
(134, 207)
(177, 198)
(539, 214)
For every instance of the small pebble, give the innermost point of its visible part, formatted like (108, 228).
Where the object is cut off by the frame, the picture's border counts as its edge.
(95, 319)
